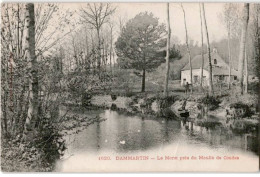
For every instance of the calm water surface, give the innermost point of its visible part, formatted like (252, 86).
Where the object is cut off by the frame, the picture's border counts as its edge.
(120, 133)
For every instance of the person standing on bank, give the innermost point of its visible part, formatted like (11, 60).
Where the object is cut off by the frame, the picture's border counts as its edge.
(186, 88)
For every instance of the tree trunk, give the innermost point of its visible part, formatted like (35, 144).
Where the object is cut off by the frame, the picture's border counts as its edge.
(211, 92)
(202, 52)
(5, 107)
(143, 81)
(242, 46)
(229, 57)
(111, 48)
(11, 60)
(29, 47)
(18, 29)
(167, 53)
(246, 72)
(114, 61)
(20, 109)
(188, 48)
(99, 51)
(257, 49)
(87, 62)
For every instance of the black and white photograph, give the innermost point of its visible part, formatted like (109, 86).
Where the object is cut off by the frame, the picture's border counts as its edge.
(130, 87)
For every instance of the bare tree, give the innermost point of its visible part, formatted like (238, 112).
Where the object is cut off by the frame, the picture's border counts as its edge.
(29, 48)
(111, 25)
(97, 14)
(229, 56)
(202, 52)
(121, 22)
(211, 91)
(242, 45)
(167, 53)
(187, 46)
(45, 37)
(246, 72)
(230, 18)
(256, 39)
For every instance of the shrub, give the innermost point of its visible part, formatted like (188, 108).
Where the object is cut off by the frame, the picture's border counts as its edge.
(165, 102)
(211, 101)
(241, 110)
(129, 93)
(50, 142)
(38, 155)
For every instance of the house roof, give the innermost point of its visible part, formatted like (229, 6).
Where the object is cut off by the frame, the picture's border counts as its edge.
(221, 68)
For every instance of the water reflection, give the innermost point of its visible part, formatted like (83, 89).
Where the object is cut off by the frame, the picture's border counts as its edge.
(122, 133)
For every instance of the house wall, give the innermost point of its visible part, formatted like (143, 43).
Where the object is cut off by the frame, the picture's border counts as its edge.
(225, 78)
(195, 72)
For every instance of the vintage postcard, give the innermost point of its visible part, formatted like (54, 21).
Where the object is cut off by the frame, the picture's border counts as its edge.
(130, 87)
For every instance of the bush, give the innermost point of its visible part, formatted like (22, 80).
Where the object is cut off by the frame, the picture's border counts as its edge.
(50, 142)
(241, 110)
(129, 94)
(37, 155)
(18, 156)
(165, 102)
(211, 101)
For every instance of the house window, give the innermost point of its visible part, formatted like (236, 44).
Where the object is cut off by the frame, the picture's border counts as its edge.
(235, 77)
(215, 61)
(196, 79)
(221, 78)
(184, 81)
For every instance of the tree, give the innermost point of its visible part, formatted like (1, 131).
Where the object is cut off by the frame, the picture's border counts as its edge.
(48, 32)
(111, 25)
(138, 47)
(256, 41)
(29, 48)
(242, 46)
(167, 53)
(246, 72)
(202, 52)
(230, 18)
(187, 45)
(97, 14)
(211, 91)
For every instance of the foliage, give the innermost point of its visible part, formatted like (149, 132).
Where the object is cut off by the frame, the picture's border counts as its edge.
(139, 44)
(40, 154)
(241, 110)
(124, 80)
(211, 101)
(165, 102)
(244, 126)
(20, 156)
(50, 141)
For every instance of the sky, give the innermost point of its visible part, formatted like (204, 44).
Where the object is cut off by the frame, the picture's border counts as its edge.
(216, 28)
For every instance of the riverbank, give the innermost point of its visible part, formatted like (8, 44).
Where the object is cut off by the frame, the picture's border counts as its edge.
(41, 153)
(217, 111)
(140, 122)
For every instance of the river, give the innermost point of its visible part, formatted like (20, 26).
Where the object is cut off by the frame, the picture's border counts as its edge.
(121, 135)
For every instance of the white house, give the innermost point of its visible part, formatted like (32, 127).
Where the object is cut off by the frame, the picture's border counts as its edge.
(220, 70)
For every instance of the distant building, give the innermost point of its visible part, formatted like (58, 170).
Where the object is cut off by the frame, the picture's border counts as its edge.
(220, 70)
